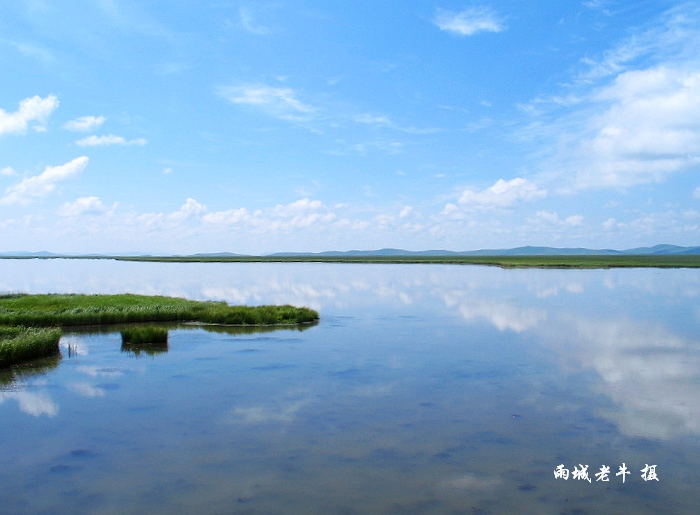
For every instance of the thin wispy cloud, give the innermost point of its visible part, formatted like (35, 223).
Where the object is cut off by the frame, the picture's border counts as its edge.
(386, 122)
(278, 102)
(469, 21)
(42, 185)
(246, 20)
(110, 139)
(84, 123)
(34, 112)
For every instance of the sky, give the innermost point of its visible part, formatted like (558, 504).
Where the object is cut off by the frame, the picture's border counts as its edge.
(188, 126)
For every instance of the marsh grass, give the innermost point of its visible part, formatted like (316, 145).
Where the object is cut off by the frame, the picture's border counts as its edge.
(25, 343)
(144, 335)
(82, 310)
(30, 324)
(149, 340)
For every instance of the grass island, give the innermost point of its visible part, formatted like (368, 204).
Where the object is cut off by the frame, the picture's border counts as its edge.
(31, 325)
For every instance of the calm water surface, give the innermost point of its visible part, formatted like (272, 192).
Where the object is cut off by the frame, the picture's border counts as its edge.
(424, 389)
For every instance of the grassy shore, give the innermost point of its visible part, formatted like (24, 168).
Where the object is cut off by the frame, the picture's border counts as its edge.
(25, 343)
(30, 324)
(571, 261)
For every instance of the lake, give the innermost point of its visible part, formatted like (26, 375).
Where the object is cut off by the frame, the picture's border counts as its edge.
(439, 389)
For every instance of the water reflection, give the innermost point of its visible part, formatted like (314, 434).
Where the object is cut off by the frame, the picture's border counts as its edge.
(23, 384)
(428, 389)
(651, 374)
(10, 376)
(148, 349)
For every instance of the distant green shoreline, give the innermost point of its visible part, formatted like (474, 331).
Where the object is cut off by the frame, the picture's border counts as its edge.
(549, 261)
(30, 325)
(588, 261)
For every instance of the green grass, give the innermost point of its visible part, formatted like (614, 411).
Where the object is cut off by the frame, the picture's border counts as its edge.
(81, 310)
(150, 340)
(144, 335)
(583, 261)
(30, 324)
(26, 343)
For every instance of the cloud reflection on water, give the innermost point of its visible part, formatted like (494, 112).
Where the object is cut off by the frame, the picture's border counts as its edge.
(622, 324)
(34, 404)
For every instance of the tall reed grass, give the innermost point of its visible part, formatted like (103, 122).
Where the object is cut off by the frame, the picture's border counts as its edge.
(30, 324)
(25, 343)
(80, 310)
(142, 335)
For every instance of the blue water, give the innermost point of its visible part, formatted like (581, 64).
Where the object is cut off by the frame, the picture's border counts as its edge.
(424, 389)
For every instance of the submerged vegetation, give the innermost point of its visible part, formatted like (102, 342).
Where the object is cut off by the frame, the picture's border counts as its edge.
(30, 325)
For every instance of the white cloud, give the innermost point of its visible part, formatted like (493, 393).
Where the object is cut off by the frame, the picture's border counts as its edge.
(84, 123)
(82, 206)
(34, 109)
(7, 171)
(622, 124)
(228, 217)
(111, 139)
(279, 102)
(299, 214)
(501, 195)
(609, 224)
(468, 22)
(41, 185)
(297, 207)
(650, 129)
(551, 218)
(385, 121)
(247, 22)
(190, 208)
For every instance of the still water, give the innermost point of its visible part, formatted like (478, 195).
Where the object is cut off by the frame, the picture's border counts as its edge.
(424, 389)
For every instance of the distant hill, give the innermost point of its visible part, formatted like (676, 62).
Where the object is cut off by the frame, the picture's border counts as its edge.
(21, 253)
(662, 249)
(217, 255)
(518, 251)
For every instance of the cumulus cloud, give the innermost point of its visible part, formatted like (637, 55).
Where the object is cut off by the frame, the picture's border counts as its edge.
(621, 123)
(34, 109)
(502, 194)
(84, 123)
(41, 185)
(227, 217)
(279, 102)
(283, 217)
(468, 22)
(110, 139)
(82, 206)
(650, 129)
(7, 171)
(190, 208)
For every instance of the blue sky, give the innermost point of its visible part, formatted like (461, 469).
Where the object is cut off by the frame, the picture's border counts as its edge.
(298, 125)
